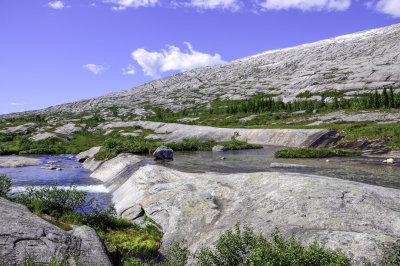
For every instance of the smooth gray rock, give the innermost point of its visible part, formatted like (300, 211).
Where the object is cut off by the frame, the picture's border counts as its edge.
(92, 250)
(24, 236)
(69, 129)
(82, 156)
(19, 130)
(218, 148)
(200, 207)
(287, 165)
(17, 161)
(43, 136)
(172, 132)
(164, 152)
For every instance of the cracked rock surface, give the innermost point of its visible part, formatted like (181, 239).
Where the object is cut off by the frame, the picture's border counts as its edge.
(356, 218)
(24, 236)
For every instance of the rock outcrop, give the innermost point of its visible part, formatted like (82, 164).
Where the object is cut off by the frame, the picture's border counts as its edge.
(69, 129)
(17, 161)
(18, 130)
(362, 61)
(24, 236)
(354, 217)
(172, 132)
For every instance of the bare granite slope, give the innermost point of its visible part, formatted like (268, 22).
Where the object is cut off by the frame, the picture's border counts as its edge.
(364, 60)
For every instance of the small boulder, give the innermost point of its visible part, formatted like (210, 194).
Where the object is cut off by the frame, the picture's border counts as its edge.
(218, 148)
(389, 161)
(164, 152)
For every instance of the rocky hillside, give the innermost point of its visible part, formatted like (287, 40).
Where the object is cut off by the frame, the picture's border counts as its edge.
(364, 60)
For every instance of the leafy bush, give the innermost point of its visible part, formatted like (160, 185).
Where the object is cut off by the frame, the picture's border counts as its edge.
(53, 200)
(239, 246)
(5, 185)
(391, 254)
(315, 153)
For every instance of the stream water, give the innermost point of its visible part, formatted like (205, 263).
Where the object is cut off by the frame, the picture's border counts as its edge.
(361, 169)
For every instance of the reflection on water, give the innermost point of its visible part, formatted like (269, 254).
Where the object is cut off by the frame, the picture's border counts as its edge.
(72, 172)
(361, 169)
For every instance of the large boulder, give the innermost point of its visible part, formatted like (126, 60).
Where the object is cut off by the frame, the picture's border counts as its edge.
(163, 152)
(218, 148)
(81, 157)
(17, 161)
(24, 236)
(341, 214)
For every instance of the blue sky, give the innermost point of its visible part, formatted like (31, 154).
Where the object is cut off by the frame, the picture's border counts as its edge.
(53, 52)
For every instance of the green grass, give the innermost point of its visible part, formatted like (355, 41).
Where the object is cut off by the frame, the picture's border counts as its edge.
(315, 153)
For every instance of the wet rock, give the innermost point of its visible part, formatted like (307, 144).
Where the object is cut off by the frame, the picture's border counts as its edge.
(164, 152)
(17, 161)
(218, 148)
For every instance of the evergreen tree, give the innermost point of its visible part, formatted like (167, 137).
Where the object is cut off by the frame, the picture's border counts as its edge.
(385, 99)
(391, 98)
(376, 102)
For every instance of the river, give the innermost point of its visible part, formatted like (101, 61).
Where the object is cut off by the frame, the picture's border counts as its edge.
(360, 169)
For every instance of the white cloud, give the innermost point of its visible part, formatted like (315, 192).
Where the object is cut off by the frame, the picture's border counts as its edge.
(16, 104)
(95, 69)
(389, 7)
(306, 5)
(56, 4)
(129, 70)
(233, 5)
(173, 59)
(123, 4)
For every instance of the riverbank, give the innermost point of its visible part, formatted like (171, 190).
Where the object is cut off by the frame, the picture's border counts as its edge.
(203, 205)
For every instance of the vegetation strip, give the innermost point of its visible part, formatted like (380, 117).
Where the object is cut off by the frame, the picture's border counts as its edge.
(315, 153)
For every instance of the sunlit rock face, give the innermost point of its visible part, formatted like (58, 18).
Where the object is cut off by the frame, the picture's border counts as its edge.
(361, 61)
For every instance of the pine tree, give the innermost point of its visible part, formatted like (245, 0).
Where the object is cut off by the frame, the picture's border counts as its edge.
(385, 99)
(376, 100)
(391, 98)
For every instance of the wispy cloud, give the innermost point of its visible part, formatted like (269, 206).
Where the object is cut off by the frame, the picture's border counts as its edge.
(173, 59)
(232, 5)
(389, 7)
(305, 5)
(15, 104)
(95, 69)
(124, 4)
(56, 5)
(129, 70)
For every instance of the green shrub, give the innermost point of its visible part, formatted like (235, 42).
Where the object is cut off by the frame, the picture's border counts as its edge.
(239, 246)
(5, 185)
(52, 200)
(391, 254)
(315, 153)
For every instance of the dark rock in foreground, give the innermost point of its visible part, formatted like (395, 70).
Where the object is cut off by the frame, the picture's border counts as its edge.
(24, 236)
(164, 152)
